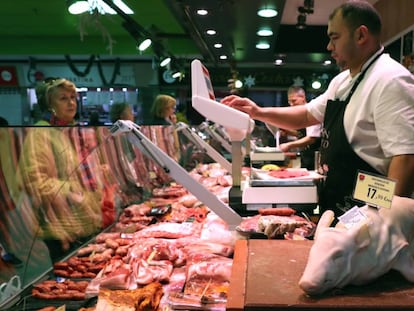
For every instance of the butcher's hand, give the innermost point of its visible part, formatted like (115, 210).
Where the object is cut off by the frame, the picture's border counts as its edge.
(243, 104)
(285, 147)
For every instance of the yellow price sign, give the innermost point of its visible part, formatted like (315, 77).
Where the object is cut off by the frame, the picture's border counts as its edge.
(374, 190)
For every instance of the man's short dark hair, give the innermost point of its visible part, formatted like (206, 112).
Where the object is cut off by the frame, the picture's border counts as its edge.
(359, 12)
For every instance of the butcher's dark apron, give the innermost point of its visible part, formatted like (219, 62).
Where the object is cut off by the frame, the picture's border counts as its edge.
(307, 155)
(339, 162)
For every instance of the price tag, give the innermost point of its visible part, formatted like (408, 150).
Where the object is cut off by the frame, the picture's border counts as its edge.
(374, 190)
(352, 217)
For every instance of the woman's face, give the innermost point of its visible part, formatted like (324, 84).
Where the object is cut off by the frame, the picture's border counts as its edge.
(63, 104)
(170, 111)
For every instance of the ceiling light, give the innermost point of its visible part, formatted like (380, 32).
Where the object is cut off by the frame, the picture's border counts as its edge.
(78, 6)
(82, 6)
(144, 44)
(278, 62)
(218, 45)
(316, 84)
(327, 62)
(202, 12)
(165, 61)
(211, 32)
(223, 57)
(262, 45)
(123, 7)
(238, 84)
(177, 74)
(265, 32)
(267, 12)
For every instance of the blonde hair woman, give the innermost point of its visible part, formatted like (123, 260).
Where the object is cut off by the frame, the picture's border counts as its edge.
(67, 212)
(57, 99)
(162, 110)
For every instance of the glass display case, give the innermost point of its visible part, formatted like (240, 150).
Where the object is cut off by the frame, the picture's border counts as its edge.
(61, 187)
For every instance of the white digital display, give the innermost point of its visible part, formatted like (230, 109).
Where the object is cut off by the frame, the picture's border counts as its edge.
(236, 123)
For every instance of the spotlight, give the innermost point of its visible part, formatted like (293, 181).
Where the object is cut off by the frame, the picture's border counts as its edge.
(178, 74)
(144, 44)
(77, 6)
(301, 23)
(164, 62)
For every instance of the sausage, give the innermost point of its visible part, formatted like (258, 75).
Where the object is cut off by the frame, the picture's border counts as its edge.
(277, 211)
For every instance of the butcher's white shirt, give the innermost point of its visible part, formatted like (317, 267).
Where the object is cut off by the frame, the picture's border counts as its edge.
(379, 119)
(314, 130)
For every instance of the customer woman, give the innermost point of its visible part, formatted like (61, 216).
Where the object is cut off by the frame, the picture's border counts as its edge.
(163, 110)
(68, 214)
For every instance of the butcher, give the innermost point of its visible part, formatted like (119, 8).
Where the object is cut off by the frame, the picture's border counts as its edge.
(367, 111)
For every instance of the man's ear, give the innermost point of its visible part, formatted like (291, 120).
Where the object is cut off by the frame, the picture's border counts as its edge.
(361, 33)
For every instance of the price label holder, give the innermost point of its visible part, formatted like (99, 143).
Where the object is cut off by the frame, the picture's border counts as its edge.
(374, 190)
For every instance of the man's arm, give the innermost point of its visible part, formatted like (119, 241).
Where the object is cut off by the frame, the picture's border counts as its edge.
(294, 117)
(300, 143)
(402, 170)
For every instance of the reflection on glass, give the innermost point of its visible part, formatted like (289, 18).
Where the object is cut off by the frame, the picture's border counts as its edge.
(61, 186)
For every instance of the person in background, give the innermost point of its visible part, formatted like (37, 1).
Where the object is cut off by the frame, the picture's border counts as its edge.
(309, 139)
(163, 108)
(3, 122)
(121, 111)
(94, 119)
(67, 213)
(367, 110)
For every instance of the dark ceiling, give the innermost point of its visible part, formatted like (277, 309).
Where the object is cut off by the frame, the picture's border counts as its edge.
(45, 30)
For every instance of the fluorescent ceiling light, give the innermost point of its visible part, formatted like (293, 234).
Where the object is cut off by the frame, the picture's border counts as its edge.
(123, 7)
(211, 32)
(262, 46)
(264, 32)
(202, 12)
(82, 6)
(218, 45)
(78, 6)
(267, 12)
(278, 62)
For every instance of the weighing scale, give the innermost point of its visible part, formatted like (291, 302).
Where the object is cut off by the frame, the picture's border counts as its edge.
(202, 145)
(255, 192)
(171, 167)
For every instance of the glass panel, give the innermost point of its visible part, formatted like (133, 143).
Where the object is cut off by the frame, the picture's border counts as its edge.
(60, 187)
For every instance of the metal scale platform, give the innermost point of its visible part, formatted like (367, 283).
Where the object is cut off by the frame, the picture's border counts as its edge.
(255, 192)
